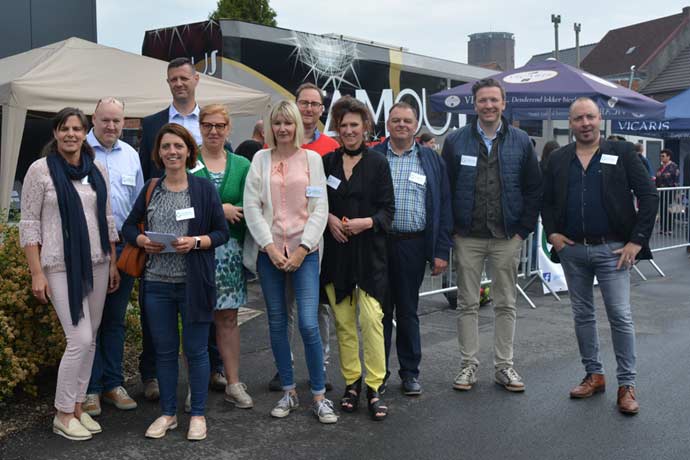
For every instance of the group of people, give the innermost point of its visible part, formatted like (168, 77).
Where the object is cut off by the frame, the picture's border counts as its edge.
(334, 230)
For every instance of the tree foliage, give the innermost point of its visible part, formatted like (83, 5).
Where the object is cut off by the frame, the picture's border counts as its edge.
(257, 11)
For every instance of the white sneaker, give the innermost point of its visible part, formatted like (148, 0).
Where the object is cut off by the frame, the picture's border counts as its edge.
(287, 403)
(236, 393)
(92, 405)
(465, 378)
(509, 379)
(323, 410)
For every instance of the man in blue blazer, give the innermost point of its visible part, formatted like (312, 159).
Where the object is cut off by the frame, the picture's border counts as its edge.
(421, 234)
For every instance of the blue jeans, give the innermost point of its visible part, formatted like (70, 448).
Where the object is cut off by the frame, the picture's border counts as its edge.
(581, 264)
(147, 358)
(106, 372)
(305, 282)
(162, 302)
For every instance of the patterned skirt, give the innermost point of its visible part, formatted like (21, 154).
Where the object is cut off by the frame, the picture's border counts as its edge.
(231, 286)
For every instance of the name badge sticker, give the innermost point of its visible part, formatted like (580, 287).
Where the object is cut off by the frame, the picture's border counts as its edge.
(609, 159)
(184, 214)
(468, 160)
(197, 167)
(129, 180)
(85, 180)
(417, 178)
(333, 182)
(314, 192)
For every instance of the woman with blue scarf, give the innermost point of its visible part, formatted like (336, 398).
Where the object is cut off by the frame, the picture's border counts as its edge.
(68, 232)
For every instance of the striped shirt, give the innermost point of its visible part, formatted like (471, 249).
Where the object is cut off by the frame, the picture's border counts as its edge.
(410, 208)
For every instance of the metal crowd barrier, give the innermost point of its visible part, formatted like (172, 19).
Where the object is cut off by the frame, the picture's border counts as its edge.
(671, 231)
(528, 269)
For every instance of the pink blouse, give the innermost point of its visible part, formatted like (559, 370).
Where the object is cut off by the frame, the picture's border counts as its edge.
(289, 181)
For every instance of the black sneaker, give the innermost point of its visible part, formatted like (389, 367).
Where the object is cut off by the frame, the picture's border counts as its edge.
(274, 384)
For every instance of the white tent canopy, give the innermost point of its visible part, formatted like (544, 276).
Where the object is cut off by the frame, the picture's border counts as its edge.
(77, 73)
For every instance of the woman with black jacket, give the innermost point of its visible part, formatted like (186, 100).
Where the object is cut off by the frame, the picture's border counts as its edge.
(354, 270)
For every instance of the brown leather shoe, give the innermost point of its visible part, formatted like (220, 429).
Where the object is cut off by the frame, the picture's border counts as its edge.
(592, 383)
(627, 403)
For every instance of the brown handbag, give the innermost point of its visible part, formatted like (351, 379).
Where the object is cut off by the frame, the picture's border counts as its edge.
(132, 258)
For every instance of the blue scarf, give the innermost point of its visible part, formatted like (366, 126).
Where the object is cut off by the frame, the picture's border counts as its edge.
(75, 233)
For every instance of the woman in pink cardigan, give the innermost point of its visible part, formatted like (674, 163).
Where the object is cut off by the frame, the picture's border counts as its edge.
(286, 209)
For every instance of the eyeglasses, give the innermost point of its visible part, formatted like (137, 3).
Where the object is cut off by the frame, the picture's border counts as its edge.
(209, 126)
(312, 104)
(110, 100)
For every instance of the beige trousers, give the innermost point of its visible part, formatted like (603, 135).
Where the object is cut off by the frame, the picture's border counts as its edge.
(503, 258)
(75, 366)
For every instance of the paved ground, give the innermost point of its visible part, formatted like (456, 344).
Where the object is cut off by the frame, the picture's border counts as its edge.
(486, 423)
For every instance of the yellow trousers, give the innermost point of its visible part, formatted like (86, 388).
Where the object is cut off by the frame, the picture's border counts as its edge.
(371, 323)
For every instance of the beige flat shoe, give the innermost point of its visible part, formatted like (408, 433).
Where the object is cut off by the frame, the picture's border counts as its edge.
(197, 429)
(160, 427)
(74, 430)
(90, 424)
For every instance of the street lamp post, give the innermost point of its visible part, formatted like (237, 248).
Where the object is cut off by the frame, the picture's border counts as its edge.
(556, 19)
(578, 27)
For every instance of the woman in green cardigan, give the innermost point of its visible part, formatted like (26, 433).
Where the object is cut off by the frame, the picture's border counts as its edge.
(227, 172)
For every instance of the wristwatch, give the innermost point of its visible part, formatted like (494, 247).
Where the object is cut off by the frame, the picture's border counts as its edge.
(197, 242)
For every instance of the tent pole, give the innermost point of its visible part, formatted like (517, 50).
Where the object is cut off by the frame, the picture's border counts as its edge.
(13, 119)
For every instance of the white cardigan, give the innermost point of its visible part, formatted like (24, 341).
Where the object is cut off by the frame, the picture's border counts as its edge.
(258, 209)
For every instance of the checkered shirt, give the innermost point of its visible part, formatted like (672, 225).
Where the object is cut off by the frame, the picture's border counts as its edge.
(410, 198)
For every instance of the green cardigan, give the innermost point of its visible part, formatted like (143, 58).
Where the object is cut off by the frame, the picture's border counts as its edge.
(232, 188)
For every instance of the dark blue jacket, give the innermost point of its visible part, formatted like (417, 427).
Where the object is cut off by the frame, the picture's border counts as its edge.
(439, 220)
(617, 180)
(521, 183)
(209, 219)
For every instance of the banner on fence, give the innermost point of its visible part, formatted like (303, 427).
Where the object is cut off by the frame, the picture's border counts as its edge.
(552, 273)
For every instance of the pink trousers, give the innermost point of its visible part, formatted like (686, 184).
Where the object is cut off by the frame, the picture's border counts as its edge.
(75, 366)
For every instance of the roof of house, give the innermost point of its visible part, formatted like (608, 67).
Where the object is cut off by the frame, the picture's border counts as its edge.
(566, 56)
(636, 45)
(675, 76)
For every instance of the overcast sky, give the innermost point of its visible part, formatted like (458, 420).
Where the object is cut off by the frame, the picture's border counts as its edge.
(437, 28)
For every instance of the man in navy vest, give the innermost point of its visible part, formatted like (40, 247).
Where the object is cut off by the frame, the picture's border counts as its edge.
(496, 189)
(420, 235)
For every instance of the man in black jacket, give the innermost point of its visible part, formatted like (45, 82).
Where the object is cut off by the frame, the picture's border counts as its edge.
(590, 219)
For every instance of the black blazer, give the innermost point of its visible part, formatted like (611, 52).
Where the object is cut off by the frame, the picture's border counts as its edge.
(209, 219)
(619, 182)
(150, 126)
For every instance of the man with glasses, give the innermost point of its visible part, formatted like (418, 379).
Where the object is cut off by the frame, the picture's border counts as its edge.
(310, 104)
(182, 79)
(126, 181)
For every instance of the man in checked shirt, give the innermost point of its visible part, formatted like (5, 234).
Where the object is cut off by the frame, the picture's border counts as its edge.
(421, 234)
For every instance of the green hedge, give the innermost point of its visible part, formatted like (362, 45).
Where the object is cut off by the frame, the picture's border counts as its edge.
(31, 337)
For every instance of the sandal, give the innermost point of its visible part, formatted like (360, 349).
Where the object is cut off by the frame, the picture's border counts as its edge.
(377, 410)
(350, 401)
